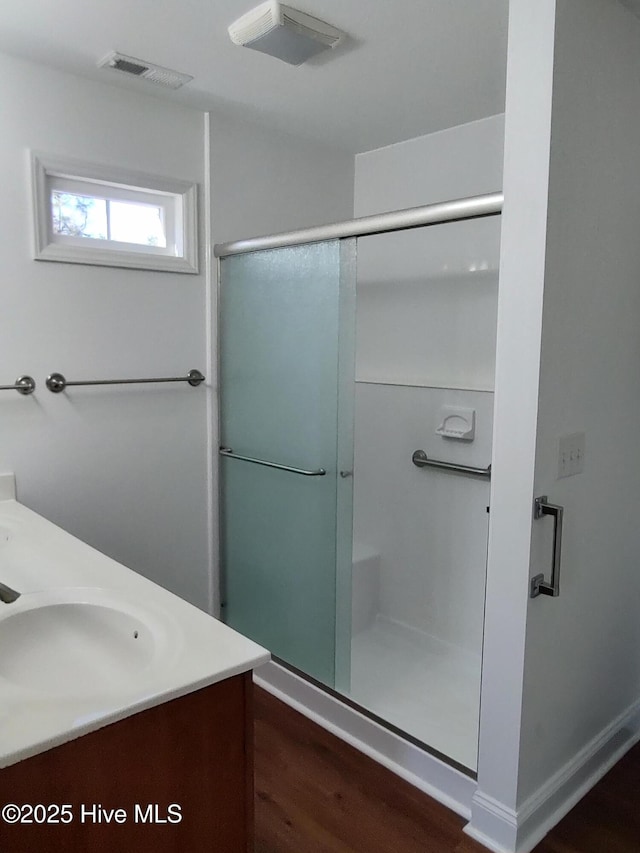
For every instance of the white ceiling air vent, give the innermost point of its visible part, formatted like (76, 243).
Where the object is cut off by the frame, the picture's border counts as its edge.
(283, 32)
(145, 70)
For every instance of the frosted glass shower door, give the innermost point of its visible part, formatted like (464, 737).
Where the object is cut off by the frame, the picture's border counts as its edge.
(282, 364)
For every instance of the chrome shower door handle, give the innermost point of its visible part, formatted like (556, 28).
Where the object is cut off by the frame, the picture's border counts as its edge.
(228, 452)
(538, 584)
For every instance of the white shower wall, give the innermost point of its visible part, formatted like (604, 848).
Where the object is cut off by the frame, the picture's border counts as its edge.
(428, 527)
(426, 312)
(426, 327)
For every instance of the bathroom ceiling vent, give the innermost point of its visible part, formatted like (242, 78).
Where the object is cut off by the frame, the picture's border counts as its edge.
(145, 70)
(283, 32)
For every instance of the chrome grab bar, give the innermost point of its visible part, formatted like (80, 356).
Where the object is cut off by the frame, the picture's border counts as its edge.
(228, 452)
(539, 586)
(56, 382)
(421, 460)
(23, 385)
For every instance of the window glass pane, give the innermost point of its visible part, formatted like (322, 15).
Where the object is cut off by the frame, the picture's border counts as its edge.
(128, 219)
(137, 223)
(78, 215)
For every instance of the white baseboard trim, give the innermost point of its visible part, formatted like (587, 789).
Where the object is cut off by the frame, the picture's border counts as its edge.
(553, 800)
(504, 831)
(435, 778)
(493, 824)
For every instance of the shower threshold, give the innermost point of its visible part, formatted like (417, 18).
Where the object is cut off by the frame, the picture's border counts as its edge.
(421, 689)
(428, 689)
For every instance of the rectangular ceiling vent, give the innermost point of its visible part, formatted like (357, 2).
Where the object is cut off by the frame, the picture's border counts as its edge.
(283, 32)
(144, 70)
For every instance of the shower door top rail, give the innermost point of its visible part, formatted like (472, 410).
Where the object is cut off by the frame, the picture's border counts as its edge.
(474, 207)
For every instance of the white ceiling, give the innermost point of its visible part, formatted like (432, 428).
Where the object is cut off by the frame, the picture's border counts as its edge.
(409, 67)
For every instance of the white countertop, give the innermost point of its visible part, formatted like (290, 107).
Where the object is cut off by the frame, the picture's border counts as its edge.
(49, 566)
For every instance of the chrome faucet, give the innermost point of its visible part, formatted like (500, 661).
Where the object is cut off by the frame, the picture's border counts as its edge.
(7, 594)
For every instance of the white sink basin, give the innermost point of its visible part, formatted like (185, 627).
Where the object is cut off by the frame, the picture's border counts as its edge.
(82, 642)
(70, 660)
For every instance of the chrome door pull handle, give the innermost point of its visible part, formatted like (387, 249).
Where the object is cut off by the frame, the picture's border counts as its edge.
(538, 584)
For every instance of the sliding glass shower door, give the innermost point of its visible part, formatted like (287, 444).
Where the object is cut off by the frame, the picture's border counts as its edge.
(377, 593)
(286, 373)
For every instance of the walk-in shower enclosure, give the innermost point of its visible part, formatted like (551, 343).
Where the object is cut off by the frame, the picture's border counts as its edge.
(355, 447)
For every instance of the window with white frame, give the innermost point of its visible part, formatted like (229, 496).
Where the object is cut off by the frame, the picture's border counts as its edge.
(91, 214)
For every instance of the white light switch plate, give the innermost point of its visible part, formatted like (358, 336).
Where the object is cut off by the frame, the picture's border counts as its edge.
(571, 454)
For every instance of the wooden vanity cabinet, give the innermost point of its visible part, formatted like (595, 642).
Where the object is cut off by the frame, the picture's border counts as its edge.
(195, 752)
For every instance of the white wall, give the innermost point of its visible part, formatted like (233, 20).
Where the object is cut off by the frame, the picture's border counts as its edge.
(461, 161)
(582, 666)
(264, 182)
(561, 702)
(129, 469)
(122, 468)
(426, 317)
(522, 256)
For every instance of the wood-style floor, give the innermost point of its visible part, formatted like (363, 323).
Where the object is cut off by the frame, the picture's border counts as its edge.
(316, 794)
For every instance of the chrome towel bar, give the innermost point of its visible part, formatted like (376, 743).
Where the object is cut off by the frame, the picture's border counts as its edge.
(228, 452)
(23, 385)
(421, 460)
(56, 382)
